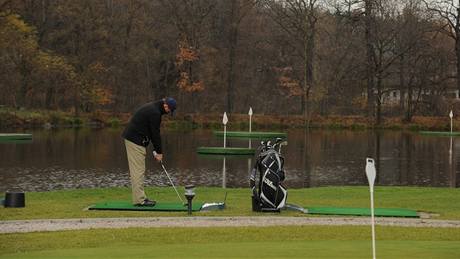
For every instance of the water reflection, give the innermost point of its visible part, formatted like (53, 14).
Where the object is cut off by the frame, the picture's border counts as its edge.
(96, 158)
(452, 171)
(224, 175)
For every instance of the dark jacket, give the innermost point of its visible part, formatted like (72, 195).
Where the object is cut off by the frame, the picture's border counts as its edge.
(144, 125)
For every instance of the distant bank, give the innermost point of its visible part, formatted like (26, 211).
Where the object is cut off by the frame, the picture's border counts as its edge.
(12, 118)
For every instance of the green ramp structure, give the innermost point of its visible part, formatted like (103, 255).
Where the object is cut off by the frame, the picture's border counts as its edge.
(231, 151)
(440, 133)
(15, 138)
(225, 151)
(160, 206)
(251, 134)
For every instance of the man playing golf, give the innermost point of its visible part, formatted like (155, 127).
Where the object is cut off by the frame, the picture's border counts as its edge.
(143, 128)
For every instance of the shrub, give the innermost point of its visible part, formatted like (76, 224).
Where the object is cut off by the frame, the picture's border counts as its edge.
(114, 122)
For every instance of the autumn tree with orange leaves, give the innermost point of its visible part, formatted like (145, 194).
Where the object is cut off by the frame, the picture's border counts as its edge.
(184, 60)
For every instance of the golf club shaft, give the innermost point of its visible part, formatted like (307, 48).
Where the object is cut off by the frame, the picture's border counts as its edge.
(172, 183)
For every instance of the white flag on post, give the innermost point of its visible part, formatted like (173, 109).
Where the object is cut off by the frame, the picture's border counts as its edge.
(250, 126)
(225, 119)
(370, 173)
(250, 116)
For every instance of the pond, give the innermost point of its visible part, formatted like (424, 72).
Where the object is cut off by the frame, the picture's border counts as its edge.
(92, 158)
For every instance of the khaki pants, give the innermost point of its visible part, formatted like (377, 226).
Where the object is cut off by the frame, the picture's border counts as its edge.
(136, 161)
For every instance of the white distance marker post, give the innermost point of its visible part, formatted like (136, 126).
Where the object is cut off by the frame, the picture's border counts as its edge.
(224, 170)
(224, 121)
(250, 124)
(250, 139)
(370, 173)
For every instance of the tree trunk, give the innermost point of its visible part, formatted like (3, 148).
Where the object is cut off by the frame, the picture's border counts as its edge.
(233, 41)
(310, 51)
(231, 75)
(378, 120)
(25, 73)
(402, 86)
(310, 33)
(409, 104)
(370, 59)
(50, 99)
(165, 91)
(23, 92)
(457, 54)
(305, 80)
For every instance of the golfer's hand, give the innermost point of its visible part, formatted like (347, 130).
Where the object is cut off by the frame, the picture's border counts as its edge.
(158, 157)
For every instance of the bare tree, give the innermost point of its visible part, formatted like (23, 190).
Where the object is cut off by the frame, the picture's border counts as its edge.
(298, 18)
(340, 60)
(413, 45)
(236, 10)
(448, 11)
(384, 51)
(226, 54)
(191, 20)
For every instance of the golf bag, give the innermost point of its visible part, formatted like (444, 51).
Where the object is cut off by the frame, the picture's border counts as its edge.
(266, 178)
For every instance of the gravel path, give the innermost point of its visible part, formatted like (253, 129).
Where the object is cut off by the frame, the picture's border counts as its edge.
(23, 226)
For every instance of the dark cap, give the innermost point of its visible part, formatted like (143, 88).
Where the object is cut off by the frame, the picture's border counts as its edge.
(171, 104)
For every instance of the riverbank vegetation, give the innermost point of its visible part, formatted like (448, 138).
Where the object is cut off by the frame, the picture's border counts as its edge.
(22, 118)
(440, 203)
(26, 119)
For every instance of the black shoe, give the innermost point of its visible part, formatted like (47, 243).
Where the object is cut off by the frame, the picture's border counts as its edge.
(146, 203)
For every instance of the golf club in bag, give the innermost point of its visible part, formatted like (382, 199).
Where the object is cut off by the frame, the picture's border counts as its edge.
(267, 176)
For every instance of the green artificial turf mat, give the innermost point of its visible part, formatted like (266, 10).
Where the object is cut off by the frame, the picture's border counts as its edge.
(440, 133)
(160, 206)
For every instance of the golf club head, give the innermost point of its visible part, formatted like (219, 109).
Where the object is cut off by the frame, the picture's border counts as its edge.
(262, 144)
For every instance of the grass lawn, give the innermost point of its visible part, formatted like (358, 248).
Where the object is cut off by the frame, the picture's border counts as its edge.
(71, 203)
(296, 249)
(238, 242)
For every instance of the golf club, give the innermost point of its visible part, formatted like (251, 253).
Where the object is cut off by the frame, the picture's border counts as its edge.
(170, 180)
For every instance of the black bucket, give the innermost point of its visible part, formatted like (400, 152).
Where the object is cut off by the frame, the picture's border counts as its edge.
(15, 199)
